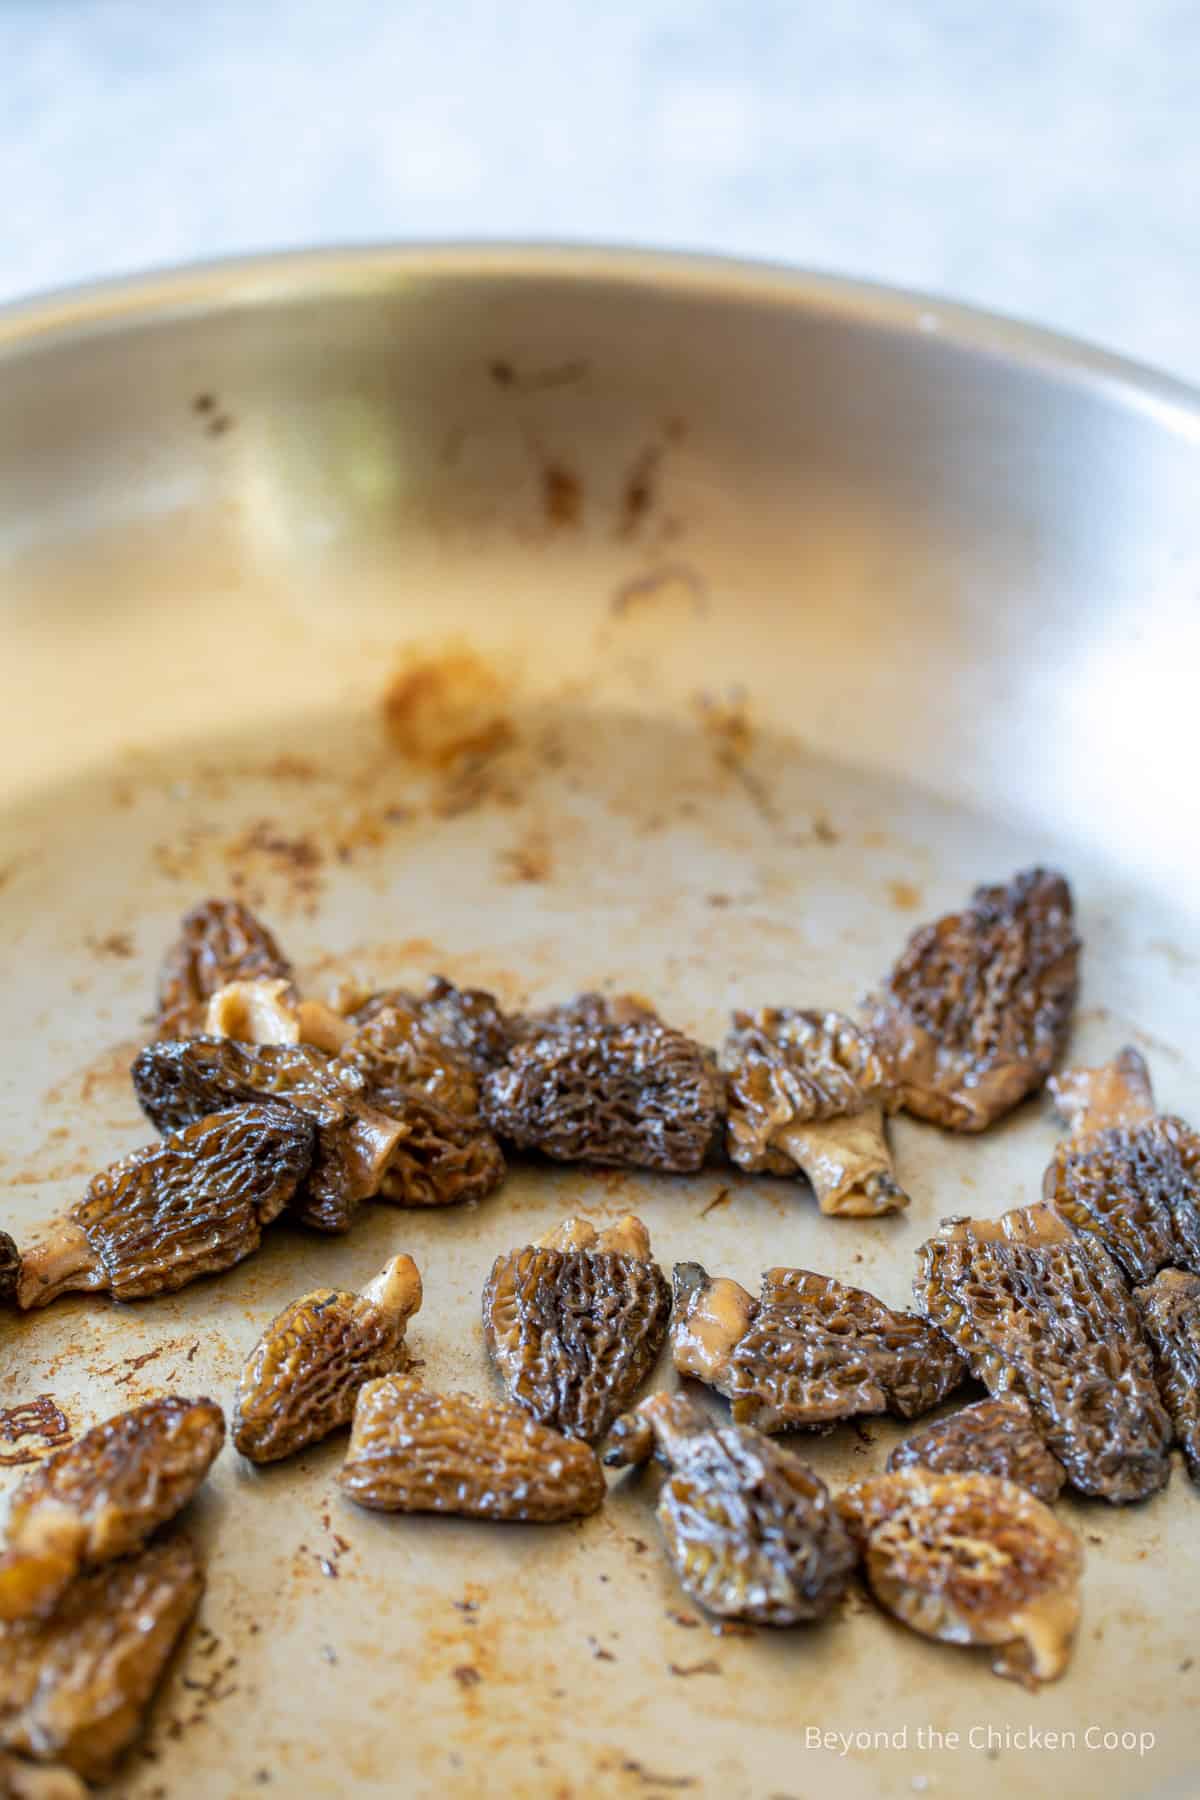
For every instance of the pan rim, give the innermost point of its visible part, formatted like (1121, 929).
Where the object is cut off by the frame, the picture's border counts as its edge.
(77, 313)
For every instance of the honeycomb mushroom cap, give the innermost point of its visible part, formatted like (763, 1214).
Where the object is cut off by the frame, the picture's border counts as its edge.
(638, 1095)
(1041, 1313)
(219, 941)
(992, 1437)
(975, 1013)
(971, 1559)
(301, 1380)
(1137, 1191)
(751, 1530)
(575, 1330)
(177, 1082)
(416, 1451)
(1170, 1310)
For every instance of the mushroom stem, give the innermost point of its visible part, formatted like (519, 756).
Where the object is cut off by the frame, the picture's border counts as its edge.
(396, 1289)
(60, 1261)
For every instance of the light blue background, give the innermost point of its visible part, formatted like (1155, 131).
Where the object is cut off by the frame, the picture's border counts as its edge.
(1037, 156)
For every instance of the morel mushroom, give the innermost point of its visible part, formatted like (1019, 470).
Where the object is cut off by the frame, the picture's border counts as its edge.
(219, 941)
(810, 1350)
(102, 1496)
(1170, 1309)
(1132, 1184)
(750, 1529)
(466, 1021)
(575, 1323)
(1044, 1314)
(805, 1091)
(1093, 1101)
(302, 1378)
(168, 1214)
(993, 1437)
(971, 1559)
(639, 1095)
(414, 1451)
(177, 1082)
(74, 1687)
(975, 1014)
(398, 1056)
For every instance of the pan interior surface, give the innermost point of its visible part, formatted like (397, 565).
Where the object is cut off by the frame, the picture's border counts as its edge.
(556, 622)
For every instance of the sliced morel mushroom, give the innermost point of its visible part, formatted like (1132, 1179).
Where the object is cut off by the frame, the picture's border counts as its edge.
(750, 1529)
(219, 941)
(971, 1559)
(975, 1014)
(638, 1095)
(189, 1206)
(398, 1056)
(10, 1267)
(1170, 1309)
(467, 1021)
(810, 1350)
(441, 1159)
(805, 1091)
(413, 1451)
(177, 1082)
(446, 1155)
(1135, 1184)
(1044, 1314)
(102, 1496)
(270, 1011)
(302, 1378)
(74, 1687)
(993, 1437)
(576, 1322)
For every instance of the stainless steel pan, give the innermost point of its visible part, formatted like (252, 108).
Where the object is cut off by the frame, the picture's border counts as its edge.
(562, 619)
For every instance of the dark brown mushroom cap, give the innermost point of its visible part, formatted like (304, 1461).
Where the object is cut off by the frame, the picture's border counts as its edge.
(219, 941)
(811, 1349)
(177, 1081)
(575, 1331)
(102, 1496)
(975, 1013)
(1045, 1314)
(197, 1202)
(993, 1437)
(638, 1095)
(416, 1451)
(1136, 1191)
(751, 1529)
(1170, 1310)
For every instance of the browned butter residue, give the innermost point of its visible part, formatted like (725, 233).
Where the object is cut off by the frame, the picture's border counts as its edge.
(904, 896)
(32, 1428)
(440, 709)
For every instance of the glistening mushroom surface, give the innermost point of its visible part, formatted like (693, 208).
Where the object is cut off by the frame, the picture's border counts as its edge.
(975, 1012)
(575, 1323)
(971, 1559)
(750, 1530)
(302, 1378)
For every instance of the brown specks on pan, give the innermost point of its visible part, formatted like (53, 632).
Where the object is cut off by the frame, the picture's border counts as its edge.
(667, 582)
(31, 1430)
(212, 415)
(505, 373)
(562, 495)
